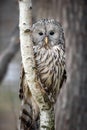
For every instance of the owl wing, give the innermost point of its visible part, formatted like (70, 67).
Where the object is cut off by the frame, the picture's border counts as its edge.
(61, 71)
(21, 82)
(64, 77)
(63, 67)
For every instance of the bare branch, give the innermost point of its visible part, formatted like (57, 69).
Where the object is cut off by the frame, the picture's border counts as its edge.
(9, 53)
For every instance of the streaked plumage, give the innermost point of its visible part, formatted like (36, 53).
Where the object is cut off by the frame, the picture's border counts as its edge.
(49, 52)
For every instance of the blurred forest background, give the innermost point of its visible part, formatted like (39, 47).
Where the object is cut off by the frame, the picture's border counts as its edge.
(72, 14)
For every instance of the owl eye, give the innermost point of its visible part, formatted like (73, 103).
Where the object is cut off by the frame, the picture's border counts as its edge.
(40, 33)
(51, 32)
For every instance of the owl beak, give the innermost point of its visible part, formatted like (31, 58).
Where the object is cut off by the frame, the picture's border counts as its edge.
(46, 40)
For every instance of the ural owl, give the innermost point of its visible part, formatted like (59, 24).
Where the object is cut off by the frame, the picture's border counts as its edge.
(49, 53)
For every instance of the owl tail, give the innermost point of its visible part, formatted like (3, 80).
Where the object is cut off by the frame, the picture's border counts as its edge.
(26, 121)
(29, 112)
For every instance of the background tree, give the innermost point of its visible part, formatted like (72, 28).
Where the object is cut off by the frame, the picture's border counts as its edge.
(72, 102)
(9, 53)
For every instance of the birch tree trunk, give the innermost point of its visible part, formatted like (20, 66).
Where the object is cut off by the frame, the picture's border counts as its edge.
(25, 23)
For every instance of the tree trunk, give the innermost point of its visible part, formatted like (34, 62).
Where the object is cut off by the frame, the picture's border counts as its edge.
(38, 93)
(72, 101)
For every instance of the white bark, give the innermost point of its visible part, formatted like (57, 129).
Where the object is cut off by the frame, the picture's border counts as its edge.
(25, 23)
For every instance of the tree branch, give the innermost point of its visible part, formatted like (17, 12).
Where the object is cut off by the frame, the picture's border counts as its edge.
(9, 53)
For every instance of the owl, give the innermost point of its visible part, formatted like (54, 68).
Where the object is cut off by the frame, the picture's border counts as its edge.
(49, 53)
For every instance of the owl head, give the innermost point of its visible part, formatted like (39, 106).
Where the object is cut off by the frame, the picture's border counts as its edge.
(47, 33)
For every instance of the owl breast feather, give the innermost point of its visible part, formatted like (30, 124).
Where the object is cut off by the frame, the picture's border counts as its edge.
(49, 67)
